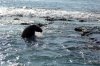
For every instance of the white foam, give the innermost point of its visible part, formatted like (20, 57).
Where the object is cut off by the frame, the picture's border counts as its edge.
(46, 12)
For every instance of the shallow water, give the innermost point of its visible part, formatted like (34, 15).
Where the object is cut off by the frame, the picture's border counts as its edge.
(59, 45)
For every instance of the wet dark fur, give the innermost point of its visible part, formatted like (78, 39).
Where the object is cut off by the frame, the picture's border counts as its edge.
(29, 32)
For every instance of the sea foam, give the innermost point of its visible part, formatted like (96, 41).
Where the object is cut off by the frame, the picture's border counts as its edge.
(33, 12)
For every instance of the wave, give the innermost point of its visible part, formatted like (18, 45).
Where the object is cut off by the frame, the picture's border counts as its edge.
(36, 12)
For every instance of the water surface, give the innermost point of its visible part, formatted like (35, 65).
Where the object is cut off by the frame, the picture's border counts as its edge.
(60, 45)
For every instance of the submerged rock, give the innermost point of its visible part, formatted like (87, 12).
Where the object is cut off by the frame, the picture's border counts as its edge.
(93, 39)
(26, 23)
(82, 20)
(50, 19)
(86, 31)
(73, 48)
(38, 24)
(85, 47)
(79, 29)
(19, 15)
(16, 19)
(94, 48)
(69, 20)
(62, 19)
(98, 42)
(55, 19)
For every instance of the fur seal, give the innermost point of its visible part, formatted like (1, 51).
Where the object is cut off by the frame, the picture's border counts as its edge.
(29, 32)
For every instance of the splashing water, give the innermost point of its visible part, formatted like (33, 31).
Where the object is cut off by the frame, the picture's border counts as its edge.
(59, 45)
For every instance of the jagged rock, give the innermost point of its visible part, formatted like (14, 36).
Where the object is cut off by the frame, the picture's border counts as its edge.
(19, 15)
(82, 20)
(16, 19)
(55, 19)
(24, 23)
(84, 30)
(79, 29)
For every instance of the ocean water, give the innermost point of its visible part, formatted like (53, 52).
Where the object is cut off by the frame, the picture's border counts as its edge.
(80, 5)
(59, 44)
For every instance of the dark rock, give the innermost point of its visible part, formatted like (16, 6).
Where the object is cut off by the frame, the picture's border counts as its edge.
(16, 19)
(79, 29)
(73, 48)
(55, 19)
(98, 42)
(86, 33)
(40, 25)
(25, 24)
(50, 22)
(62, 19)
(19, 15)
(82, 20)
(69, 20)
(45, 17)
(50, 19)
(94, 39)
(95, 48)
